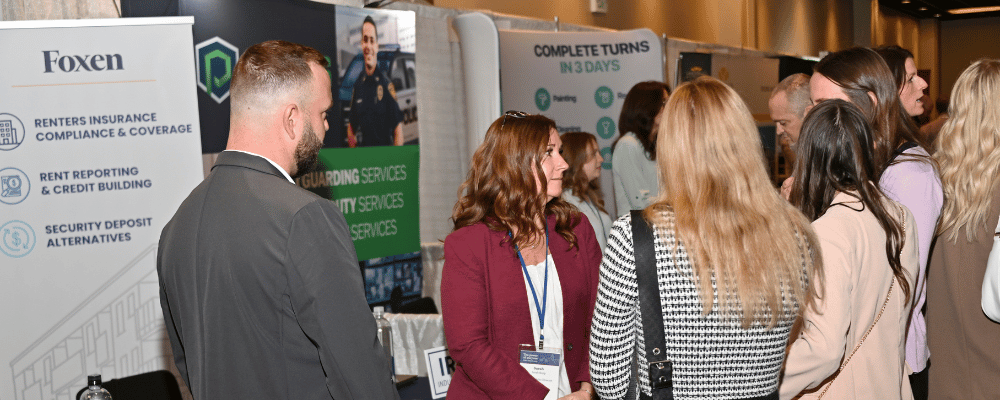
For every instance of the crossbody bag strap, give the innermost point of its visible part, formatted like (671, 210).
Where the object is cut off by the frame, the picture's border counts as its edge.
(863, 337)
(659, 367)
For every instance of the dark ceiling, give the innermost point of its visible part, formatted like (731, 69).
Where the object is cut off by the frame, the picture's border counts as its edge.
(939, 8)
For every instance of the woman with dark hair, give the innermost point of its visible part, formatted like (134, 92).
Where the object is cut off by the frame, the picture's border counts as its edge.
(965, 343)
(633, 161)
(520, 269)
(904, 69)
(582, 178)
(733, 261)
(852, 342)
(908, 174)
(910, 87)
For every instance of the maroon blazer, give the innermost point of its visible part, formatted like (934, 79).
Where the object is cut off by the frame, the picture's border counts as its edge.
(484, 305)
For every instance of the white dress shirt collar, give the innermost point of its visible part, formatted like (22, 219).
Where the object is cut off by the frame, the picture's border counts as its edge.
(283, 172)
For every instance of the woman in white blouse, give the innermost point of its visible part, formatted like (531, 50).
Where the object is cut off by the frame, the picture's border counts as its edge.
(633, 159)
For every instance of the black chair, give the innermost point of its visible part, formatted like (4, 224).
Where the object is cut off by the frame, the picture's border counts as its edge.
(156, 385)
(423, 305)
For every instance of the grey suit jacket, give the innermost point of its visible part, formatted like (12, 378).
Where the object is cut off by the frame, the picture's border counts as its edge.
(262, 294)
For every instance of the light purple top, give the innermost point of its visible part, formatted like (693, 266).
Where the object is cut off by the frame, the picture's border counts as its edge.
(916, 185)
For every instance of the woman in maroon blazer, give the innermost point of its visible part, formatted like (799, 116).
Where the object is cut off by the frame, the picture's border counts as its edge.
(518, 252)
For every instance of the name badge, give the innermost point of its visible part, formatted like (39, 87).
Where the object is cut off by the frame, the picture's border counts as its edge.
(544, 367)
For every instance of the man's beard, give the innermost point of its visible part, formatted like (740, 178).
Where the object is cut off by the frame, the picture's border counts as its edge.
(307, 152)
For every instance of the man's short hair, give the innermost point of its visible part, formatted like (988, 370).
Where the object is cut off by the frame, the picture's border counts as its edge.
(796, 88)
(370, 20)
(269, 70)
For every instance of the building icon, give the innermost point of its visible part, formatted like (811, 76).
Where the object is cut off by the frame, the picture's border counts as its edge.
(12, 132)
(8, 133)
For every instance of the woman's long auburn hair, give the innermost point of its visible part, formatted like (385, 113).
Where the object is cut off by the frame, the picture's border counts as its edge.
(834, 154)
(859, 71)
(578, 149)
(500, 189)
(969, 151)
(757, 250)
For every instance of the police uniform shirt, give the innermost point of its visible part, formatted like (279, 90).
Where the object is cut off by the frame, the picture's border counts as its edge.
(374, 110)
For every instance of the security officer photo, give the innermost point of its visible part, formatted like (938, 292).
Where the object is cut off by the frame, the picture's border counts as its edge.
(375, 118)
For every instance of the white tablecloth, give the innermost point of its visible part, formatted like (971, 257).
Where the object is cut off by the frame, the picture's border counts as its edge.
(411, 335)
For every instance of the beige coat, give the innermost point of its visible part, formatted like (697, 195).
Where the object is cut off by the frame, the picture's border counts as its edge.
(857, 278)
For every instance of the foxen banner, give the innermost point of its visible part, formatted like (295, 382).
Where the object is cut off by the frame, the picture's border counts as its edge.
(99, 144)
(579, 79)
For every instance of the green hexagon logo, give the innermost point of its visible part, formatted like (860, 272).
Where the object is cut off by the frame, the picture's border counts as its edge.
(215, 60)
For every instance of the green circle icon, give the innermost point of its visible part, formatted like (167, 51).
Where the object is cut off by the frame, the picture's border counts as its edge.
(605, 127)
(542, 99)
(604, 97)
(606, 155)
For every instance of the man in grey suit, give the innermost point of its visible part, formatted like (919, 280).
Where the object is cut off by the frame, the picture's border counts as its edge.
(259, 281)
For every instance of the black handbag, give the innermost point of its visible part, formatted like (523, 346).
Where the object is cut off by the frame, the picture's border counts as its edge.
(660, 368)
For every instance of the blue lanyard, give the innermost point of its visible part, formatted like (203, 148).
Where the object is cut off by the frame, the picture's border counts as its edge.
(545, 290)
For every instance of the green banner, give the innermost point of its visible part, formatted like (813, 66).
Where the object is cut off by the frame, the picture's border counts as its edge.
(377, 189)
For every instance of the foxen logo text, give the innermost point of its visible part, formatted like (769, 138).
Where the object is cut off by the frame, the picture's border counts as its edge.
(77, 63)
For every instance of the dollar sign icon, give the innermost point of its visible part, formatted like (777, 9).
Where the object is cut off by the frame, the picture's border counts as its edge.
(17, 239)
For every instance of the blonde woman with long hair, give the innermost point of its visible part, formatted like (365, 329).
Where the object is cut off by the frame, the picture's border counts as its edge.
(964, 342)
(733, 260)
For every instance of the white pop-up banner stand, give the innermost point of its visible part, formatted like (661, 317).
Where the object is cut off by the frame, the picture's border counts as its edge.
(579, 79)
(99, 144)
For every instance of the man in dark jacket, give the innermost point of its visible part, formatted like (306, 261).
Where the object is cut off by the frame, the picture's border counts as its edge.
(259, 281)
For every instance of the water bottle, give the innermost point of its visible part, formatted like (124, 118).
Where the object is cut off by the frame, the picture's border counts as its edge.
(385, 336)
(94, 390)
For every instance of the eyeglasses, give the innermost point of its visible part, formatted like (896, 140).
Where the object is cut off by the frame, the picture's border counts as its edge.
(513, 114)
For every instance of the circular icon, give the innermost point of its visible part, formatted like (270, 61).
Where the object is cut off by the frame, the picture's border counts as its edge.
(17, 239)
(606, 127)
(604, 97)
(11, 132)
(542, 99)
(606, 155)
(14, 185)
